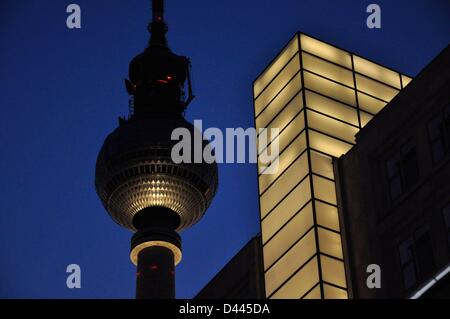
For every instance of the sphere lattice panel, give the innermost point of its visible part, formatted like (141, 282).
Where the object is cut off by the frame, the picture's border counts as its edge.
(134, 171)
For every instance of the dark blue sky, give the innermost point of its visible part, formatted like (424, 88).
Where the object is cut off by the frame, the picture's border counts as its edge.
(62, 91)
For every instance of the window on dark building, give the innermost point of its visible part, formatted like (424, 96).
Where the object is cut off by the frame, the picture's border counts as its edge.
(439, 134)
(416, 258)
(408, 263)
(402, 170)
(424, 252)
(447, 221)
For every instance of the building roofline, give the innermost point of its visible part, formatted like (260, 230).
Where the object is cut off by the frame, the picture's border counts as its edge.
(400, 94)
(299, 33)
(227, 264)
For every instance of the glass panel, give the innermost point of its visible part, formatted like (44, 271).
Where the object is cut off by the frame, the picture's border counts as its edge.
(287, 236)
(406, 80)
(365, 118)
(324, 189)
(327, 215)
(283, 118)
(328, 144)
(375, 88)
(290, 262)
(333, 271)
(329, 88)
(267, 165)
(331, 127)
(282, 99)
(325, 51)
(327, 69)
(300, 283)
(330, 243)
(286, 136)
(286, 158)
(285, 183)
(376, 71)
(330, 107)
(286, 139)
(276, 66)
(334, 293)
(322, 164)
(286, 209)
(278, 83)
(314, 294)
(291, 131)
(370, 104)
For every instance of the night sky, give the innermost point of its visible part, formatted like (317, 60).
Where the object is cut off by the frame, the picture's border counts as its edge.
(62, 91)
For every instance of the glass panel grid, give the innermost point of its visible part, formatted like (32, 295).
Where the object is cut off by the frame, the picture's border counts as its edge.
(327, 69)
(288, 75)
(374, 88)
(285, 209)
(342, 92)
(376, 71)
(296, 258)
(300, 283)
(288, 235)
(285, 183)
(270, 73)
(286, 158)
(285, 138)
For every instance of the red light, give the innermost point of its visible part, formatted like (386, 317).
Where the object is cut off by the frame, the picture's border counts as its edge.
(158, 18)
(162, 81)
(138, 274)
(169, 77)
(154, 267)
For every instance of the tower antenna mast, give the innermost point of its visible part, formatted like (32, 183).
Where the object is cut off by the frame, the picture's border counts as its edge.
(140, 185)
(158, 27)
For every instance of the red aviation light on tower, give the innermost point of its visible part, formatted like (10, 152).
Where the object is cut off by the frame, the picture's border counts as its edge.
(158, 10)
(125, 176)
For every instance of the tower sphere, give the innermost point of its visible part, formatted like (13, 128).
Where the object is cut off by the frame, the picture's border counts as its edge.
(141, 185)
(134, 171)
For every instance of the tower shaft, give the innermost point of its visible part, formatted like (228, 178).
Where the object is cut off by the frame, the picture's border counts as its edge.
(155, 277)
(136, 178)
(155, 250)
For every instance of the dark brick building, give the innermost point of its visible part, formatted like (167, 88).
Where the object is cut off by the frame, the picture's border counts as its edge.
(394, 189)
(241, 278)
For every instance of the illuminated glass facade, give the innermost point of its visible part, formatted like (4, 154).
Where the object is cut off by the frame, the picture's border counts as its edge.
(319, 96)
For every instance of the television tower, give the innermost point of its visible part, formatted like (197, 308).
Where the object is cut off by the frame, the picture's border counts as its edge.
(139, 184)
